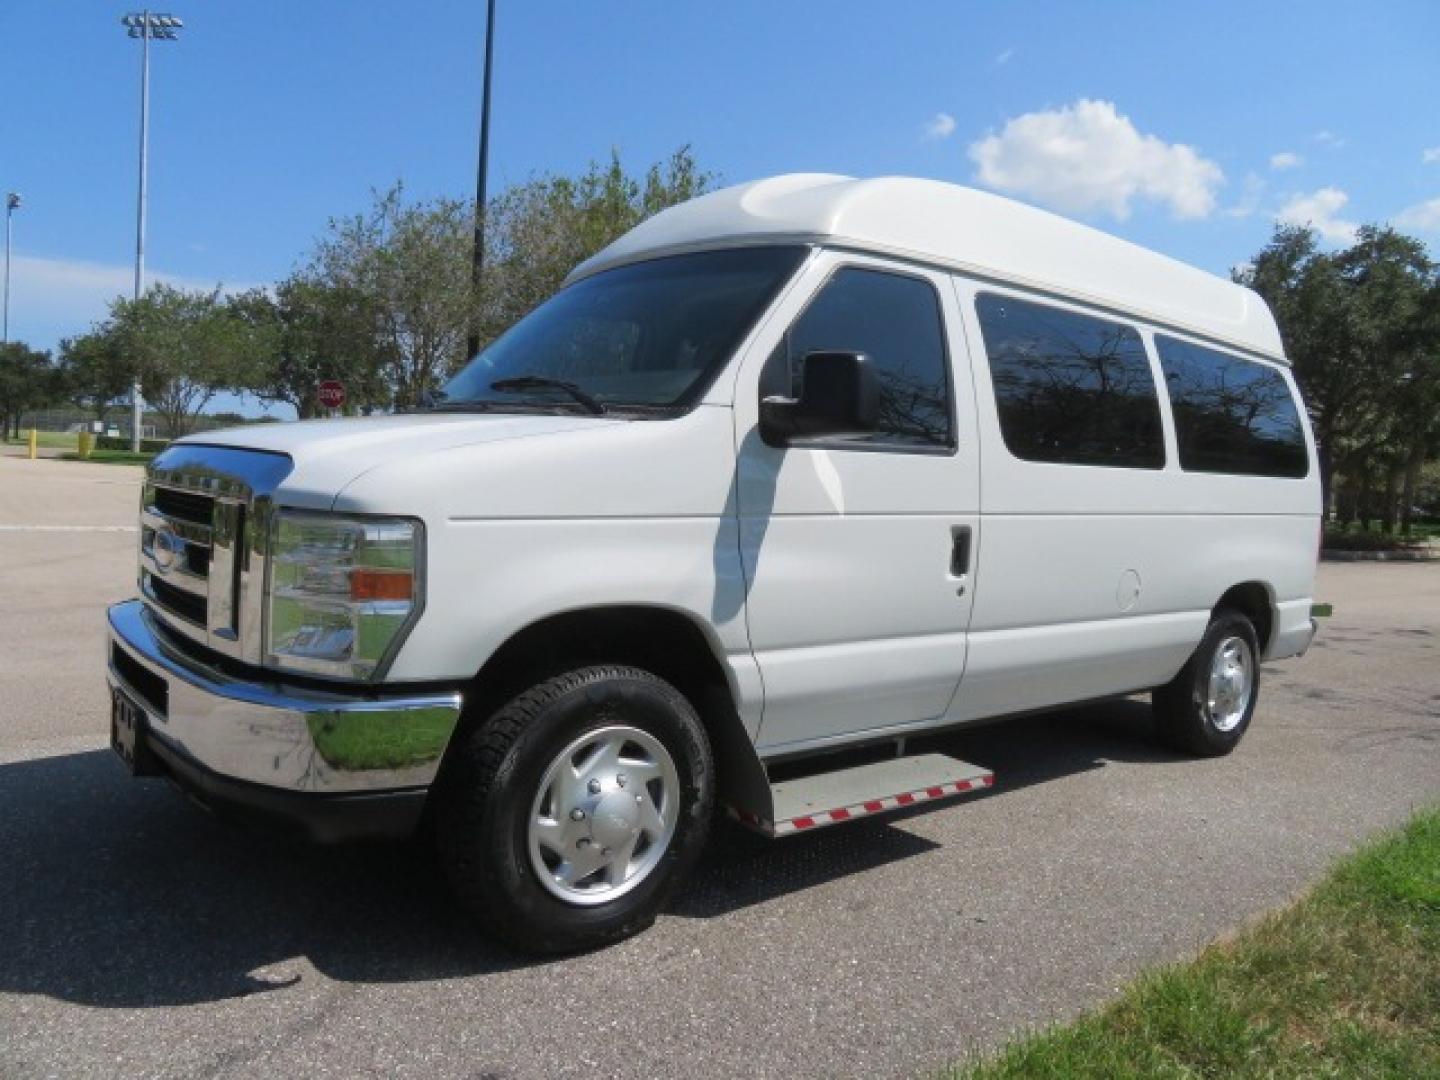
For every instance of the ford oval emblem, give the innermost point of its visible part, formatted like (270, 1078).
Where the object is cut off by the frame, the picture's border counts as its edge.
(165, 548)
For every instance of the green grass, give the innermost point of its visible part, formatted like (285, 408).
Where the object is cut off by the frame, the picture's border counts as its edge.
(51, 440)
(112, 457)
(1345, 983)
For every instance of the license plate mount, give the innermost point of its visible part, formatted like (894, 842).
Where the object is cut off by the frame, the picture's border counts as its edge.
(128, 727)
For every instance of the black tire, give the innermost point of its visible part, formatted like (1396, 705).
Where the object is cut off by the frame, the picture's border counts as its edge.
(489, 788)
(1183, 718)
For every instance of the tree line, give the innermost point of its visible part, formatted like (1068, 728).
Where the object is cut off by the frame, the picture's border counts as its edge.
(384, 302)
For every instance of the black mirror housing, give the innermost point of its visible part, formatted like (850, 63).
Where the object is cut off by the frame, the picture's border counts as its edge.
(839, 395)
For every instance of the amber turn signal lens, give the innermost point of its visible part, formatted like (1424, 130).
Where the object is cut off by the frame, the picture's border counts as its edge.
(368, 584)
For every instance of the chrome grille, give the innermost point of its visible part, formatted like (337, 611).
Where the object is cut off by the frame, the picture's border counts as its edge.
(178, 504)
(187, 556)
(204, 528)
(187, 605)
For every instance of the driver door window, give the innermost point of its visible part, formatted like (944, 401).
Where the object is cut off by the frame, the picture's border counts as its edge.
(895, 320)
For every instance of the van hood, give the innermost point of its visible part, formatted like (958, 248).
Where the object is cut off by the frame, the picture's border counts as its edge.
(329, 454)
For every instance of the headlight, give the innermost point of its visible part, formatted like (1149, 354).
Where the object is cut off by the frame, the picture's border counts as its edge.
(343, 594)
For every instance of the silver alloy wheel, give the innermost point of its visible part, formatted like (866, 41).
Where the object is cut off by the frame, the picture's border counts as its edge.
(1231, 683)
(604, 815)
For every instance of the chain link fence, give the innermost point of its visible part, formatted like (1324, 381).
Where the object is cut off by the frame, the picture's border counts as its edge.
(116, 424)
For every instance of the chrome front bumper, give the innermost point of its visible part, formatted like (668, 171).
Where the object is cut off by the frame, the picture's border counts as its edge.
(271, 734)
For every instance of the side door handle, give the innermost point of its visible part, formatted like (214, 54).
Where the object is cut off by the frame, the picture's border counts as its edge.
(960, 555)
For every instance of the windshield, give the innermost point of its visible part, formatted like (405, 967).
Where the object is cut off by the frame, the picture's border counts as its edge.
(651, 334)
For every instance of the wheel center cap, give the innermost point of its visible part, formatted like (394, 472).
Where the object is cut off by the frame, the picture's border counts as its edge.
(615, 819)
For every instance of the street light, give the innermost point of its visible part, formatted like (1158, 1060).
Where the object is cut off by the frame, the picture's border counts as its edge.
(147, 26)
(12, 203)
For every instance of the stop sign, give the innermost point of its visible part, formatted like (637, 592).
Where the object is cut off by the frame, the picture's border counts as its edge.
(332, 393)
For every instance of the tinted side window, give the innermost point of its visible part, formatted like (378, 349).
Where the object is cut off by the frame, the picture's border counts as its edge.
(894, 320)
(1070, 388)
(1231, 415)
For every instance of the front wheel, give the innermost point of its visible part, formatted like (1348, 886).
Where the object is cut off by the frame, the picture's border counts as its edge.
(570, 815)
(1206, 709)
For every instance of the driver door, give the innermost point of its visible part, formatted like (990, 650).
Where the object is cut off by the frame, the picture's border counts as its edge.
(860, 552)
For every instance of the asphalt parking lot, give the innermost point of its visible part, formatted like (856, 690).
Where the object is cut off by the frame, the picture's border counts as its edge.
(140, 937)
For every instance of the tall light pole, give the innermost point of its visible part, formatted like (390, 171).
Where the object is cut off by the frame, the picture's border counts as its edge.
(12, 203)
(477, 262)
(147, 26)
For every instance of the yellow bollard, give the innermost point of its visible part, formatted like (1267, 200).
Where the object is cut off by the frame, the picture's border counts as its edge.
(34, 444)
(86, 445)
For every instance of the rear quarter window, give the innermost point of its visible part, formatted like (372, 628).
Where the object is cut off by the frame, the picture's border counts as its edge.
(1231, 415)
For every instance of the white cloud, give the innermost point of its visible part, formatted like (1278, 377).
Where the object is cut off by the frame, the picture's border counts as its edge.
(1424, 217)
(1326, 137)
(55, 298)
(940, 126)
(1430, 156)
(1004, 58)
(1250, 194)
(1318, 211)
(1087, 157)
(1286, 160)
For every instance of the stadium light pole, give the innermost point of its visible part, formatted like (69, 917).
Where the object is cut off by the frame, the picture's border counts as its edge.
(147, 26)
(12, 203)
(477, 259)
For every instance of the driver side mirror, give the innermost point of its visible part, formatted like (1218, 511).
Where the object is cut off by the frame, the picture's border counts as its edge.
(839, 395)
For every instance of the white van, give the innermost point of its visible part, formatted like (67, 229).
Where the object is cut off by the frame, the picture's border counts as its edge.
(804, 464)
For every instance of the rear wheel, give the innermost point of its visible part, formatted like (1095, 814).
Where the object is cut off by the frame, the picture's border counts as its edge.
(1206, 709)
(567, 819)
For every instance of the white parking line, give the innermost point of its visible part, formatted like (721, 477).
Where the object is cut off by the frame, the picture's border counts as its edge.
(68, 528)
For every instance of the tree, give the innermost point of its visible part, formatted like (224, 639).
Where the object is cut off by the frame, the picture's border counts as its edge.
(538, 231)
(187, 346)
(390, 290)
(316, 331)
(1427, 489)
(27, 381)
(1392, 283)
(94, 371)
(407, 266)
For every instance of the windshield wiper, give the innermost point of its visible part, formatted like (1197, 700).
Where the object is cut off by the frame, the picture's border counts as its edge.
(544, 382)
(456, 406)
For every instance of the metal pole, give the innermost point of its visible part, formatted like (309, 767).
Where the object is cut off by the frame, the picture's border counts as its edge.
(9, 214)
(137, 415)
(477, 264)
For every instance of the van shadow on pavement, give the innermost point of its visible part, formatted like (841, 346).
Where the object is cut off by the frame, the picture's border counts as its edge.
(119, 894)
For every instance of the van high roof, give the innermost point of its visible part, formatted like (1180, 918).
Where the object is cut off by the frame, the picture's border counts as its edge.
(958, 227)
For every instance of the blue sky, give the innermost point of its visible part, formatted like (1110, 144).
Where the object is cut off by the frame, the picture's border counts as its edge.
(1187, 129)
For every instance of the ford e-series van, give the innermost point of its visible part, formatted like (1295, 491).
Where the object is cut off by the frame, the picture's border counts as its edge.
(804, 464)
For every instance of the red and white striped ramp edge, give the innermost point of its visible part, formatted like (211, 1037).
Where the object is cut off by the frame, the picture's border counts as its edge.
(790, 826)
